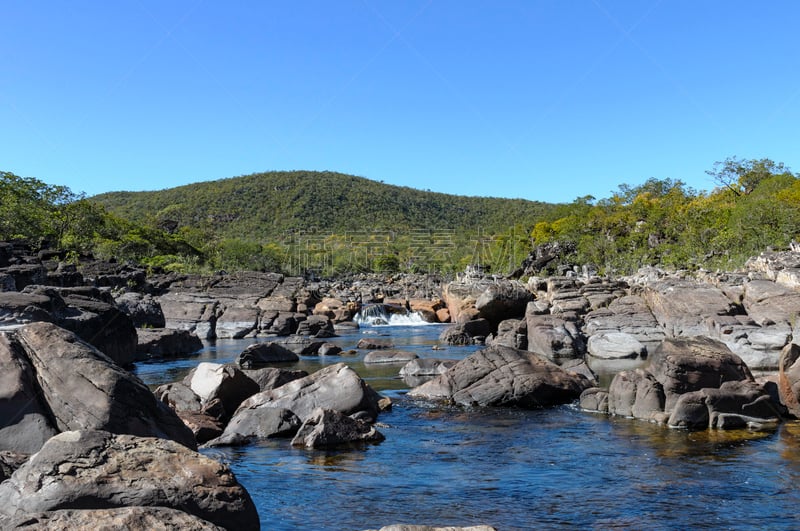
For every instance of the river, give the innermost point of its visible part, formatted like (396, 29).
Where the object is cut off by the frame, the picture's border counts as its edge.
(557, 468)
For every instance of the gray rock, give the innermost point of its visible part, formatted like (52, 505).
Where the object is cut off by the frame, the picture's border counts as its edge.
(165, 342)
(236, 322)
(389, 356)
(553, 337)
(256, 424)
(595, 400)
(127, 518)
(366, 343)
(615, 345)
(24, 419)
(466, 332)
(271, 377)
(326, 428)
(682, 307)
(636, 394)
(789, 378)
(686, 365)
(84, 389)
(511, 333)
(144, 310)
(503, 299)
(628, 314)
(735, 404)
(195, 312)
(426, 367)
(98, 470)
(336, 387)
(226, 383)
(503, 376)
(260, 354)
(317, 326)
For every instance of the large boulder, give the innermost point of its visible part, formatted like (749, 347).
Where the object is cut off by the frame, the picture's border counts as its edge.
(735, 404)
(503, 299)
(336, 387)
(269, 378)
(511, 333)
(237, 321)
(226, 383)
(261, 354)
(466, 332)
(84, 389)
(99, 470)
(503, 376)
(317, 326)
(389, 356)
(257, 424)
(636, 394)
(789, 378)
(24, 419)
(685, 365)
(461, 297)
(196, 312)
(615, 345)
(327, 428)
(630, 315)
(553, 337)
(165, 342)
(127, 518)
(143, 309)
(683, 307)
(426, 367)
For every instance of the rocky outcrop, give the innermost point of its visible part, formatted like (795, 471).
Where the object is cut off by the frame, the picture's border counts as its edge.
(195, 312)
(630, 315)
(466, 333)
(257, 424)
(615, 345)
(511, 333)
(553, 337)
(694, 383)
(503, 376)
(90, 470)
(683, 307)
(80, 388)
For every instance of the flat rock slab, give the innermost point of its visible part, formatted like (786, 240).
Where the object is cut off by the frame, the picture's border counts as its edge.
(389, 356)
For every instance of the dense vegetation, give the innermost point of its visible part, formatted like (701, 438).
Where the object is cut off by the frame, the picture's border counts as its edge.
(334, 223)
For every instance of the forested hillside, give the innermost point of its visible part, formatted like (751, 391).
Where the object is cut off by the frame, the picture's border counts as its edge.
(329, 223)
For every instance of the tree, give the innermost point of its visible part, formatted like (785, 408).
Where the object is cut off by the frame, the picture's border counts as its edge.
(743, 176)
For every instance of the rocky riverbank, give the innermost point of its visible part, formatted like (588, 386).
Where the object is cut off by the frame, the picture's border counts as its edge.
(714, 350)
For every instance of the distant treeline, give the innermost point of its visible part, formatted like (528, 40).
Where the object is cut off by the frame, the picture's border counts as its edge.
(330, 223)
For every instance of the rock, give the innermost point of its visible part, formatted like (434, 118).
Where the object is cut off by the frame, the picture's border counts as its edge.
(735, 404)
(426, 367)
(374, 344)
(630, 315)
(682, 307)
(335, 310)
(615, 345)
(21, 308)
(553, 337)
(179, 397)
(26, 275)
(316, 326)
(389, 356)
(102, 325)
(336, 387)
(636, 394)
(236, 322)
(256, 424)
(326, 428)
(260, 354)
(685, 365)
(466, 333)
(143, 310)
(460, 298)
(191, 311)
(99, 470)
(789, 378)
(204, 426)
(24, 419)
(84, 389)
(503, 376)
(165, 342)
(284, 324)
(227, 383)
(329, 349)
(594, 399)
(127, 518)
(769, 303)
(503, 299)
(10, 462)
(270, 377)
(302, 346)
(511, 333)
(427, 309)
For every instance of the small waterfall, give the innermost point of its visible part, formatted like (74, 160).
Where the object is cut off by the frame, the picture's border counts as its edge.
(387, 315)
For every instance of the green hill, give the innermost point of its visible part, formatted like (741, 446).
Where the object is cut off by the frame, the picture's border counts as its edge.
(267, 206)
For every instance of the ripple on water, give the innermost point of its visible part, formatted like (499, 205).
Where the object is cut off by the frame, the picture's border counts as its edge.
(548, 469)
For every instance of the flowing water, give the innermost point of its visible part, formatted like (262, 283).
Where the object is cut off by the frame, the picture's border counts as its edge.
(556, 468)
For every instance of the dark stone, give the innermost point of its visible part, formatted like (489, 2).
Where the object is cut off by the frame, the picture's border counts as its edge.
(326, 428)
(261, 354)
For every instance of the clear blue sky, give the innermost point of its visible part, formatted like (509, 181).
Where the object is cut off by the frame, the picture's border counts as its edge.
(544, 100)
